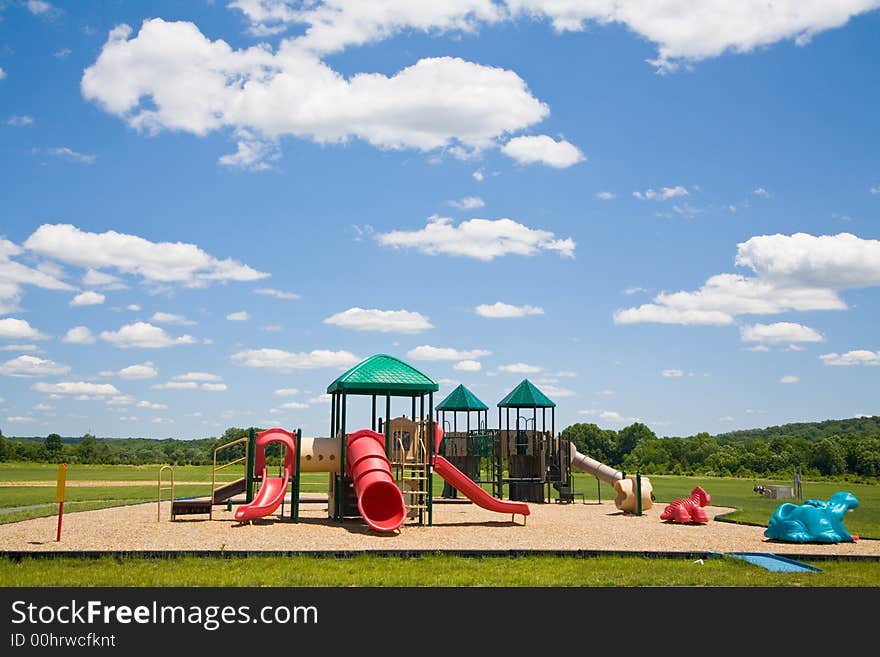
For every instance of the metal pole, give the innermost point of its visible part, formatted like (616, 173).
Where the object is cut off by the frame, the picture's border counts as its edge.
(343, 484)
(388, 423)
(294, 499)
(373, 423)
(249, 474)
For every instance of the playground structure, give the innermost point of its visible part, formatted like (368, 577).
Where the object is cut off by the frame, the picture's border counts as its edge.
(688, 510)
(814, 521)
(529, 461)
(384, 473)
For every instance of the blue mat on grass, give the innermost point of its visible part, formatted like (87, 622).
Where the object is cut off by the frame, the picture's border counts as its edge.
(774, 562)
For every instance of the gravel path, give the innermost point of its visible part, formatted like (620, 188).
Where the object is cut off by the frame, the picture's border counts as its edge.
(456, 526)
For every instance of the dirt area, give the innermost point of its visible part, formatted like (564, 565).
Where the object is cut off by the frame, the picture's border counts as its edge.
(456, 526)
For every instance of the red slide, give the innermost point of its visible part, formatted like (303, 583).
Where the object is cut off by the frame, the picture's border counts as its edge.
(379, 499)
(273, 489)
(466, 485)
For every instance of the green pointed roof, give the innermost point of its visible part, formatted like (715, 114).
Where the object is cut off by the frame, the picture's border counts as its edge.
(462, 399)
(383, 375)
(526, 395)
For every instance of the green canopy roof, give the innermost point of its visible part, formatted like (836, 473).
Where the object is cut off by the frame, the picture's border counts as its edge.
(526, 395)
(383, 375)
(462, 399)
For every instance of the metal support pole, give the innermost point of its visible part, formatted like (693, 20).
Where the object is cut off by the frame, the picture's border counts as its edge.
(388, 424)
(343, 444)
(249, 473)
(430, 457)
(373, 422)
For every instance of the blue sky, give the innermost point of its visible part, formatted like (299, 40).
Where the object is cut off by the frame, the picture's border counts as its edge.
(208, 210)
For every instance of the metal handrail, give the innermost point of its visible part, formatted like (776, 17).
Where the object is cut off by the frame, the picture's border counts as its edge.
(160, 488)
(215, 468)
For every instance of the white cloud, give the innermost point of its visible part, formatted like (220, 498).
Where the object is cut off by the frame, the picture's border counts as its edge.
(384, 321)
(286, 392)
(789, 378)
(239, 316)
(120, 400)
(278, 294)
(854, 357)
(606, 196)
(521, 368)
(133, 307)
(142, 371)
(156, 262)
(664, 194)
(875, 190)
(672, 373)
(427, 352)
(171, 318)
(468, 203)
(286, 361)
(199, 86)
(779, 332)
(468, 366)
(176, 385)
(70, 155)
(634, 290)
(144, 336)
(252, 153)
(38, 7)
(197, 376)
(607, 392)
(687, 33)
(13, 275)
(760, 191)
(20, 121)
(478, 175)
(758, 347)
(18, 329)
(291, 406)
(42, 407)
(542, 149)
(214, 387)
(88, 299)
(79, 335)
(611, 417)
(320, 399)
(94, 278)
(501, 310)
(76, 388)
(19, 347)
(481, 239)
(63, 53)
(792, 272)
(726, 418)
(162, 420)
(16, 419)
(152, 406)
(31, 366)
(556, 391)
(2, 73)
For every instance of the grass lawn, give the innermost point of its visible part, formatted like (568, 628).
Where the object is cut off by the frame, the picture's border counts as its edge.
(430, 570)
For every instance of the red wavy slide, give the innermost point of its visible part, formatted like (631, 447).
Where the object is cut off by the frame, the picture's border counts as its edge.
(273, 489)
(467, 487)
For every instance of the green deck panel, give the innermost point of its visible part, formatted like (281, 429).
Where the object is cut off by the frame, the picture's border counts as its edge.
(526, 395)
(462, 399)
(382, 374)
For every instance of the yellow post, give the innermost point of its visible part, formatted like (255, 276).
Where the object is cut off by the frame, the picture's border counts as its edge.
(59, 496)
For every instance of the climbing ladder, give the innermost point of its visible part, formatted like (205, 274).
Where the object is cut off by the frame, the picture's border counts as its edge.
(409, 460)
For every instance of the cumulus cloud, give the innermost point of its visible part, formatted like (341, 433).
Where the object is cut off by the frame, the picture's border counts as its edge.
(286, 361)
(152, 406)
(239, 316)
(31, 366)
(79, 335)
(606, 196)
(468, 366)
(155, 262)
(13, 275)
(672, 373)
(481, 239)
(789, 378)
(850, 358)
(76, 388)
(468, 203)
(611, 417)
(384, 321)
(501, 310)
(2, 73)
(88, 299)
(663, 194)
(20, 121)
(70, 155)
(427, 352)
(142, 371)
(171, 318)
(799, 272)
(214, 387)
(286, 392)
(176, 385)
(94, 278)
(12, 328)
(200, 86)
(521, 368)
(543, 150)
(197, 376)
(144, 336)
(779, 332)
(19, 347)
(278, 294)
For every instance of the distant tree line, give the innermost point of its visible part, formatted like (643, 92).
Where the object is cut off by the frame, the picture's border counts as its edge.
(834, 448)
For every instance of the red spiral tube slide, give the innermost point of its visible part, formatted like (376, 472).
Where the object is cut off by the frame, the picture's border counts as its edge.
(379, 499)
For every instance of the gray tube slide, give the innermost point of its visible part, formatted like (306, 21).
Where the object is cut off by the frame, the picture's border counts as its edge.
(591, 466)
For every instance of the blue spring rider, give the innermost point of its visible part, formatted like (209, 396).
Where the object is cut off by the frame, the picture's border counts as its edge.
(814, 521)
